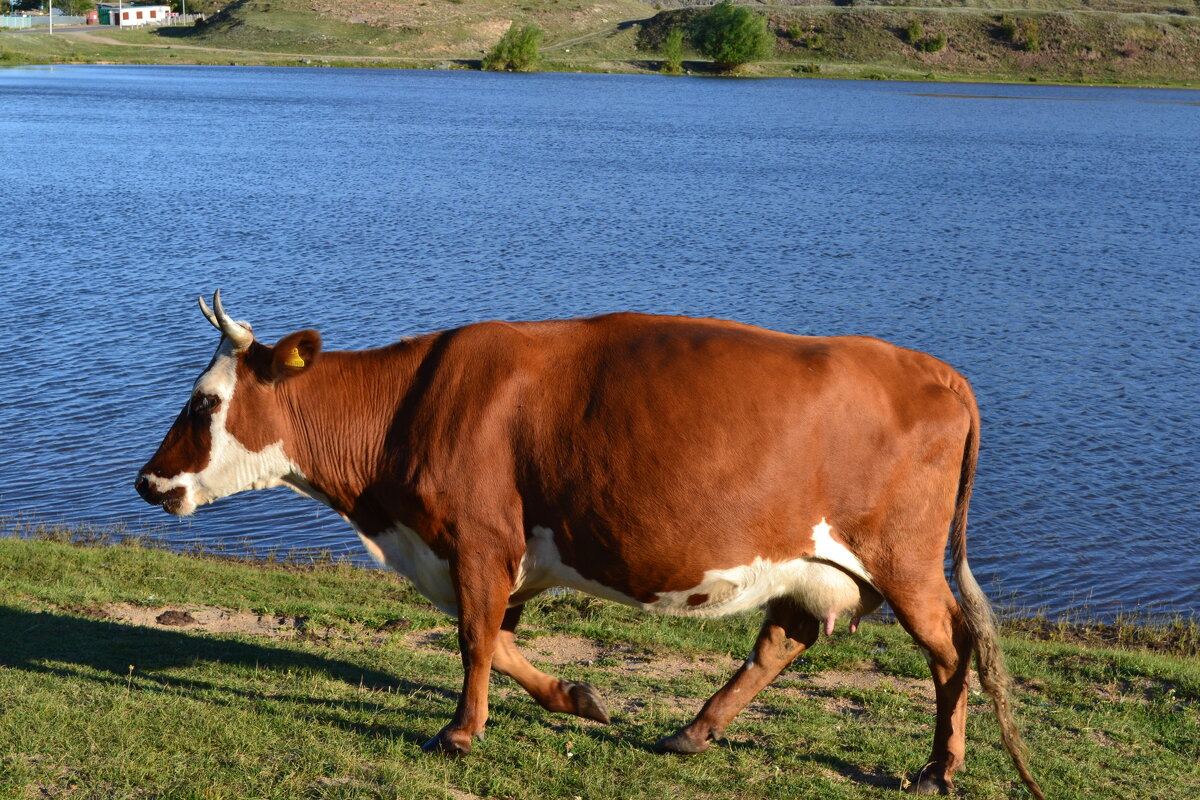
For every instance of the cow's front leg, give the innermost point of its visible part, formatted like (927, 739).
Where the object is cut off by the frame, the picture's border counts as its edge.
(483, 588)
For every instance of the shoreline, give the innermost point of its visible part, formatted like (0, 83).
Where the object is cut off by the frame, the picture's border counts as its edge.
(408, 63)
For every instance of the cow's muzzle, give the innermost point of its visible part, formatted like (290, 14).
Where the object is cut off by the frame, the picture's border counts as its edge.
(171, 500)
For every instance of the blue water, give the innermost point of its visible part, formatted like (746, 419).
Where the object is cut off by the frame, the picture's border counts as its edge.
(1044, 240)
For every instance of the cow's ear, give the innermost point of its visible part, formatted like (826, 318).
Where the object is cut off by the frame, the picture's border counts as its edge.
(294, 353)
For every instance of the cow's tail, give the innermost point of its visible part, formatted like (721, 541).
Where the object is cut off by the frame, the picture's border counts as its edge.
(977, 611)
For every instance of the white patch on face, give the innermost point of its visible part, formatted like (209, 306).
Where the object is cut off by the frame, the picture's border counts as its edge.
(817, 586)
(401, 549)
(231, 468)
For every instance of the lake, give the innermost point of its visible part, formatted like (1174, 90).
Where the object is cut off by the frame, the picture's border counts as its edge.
(1044, 240)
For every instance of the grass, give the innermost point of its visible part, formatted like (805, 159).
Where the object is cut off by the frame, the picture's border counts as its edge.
(335, 703)
(1111, 42)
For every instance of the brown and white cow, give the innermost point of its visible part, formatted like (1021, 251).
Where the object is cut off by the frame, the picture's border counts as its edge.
(684, 466)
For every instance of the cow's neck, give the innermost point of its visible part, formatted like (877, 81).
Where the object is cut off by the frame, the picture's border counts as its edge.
(339, 417)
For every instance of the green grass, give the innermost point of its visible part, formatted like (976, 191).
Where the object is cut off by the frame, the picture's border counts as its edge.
(337, 705)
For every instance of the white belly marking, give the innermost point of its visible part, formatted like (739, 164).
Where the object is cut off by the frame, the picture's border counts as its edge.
(821, 584)
(401, 549)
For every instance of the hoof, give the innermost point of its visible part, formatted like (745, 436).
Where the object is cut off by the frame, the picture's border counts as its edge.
(448, 744)
(930, 784)
(682, 744)
(587, 702)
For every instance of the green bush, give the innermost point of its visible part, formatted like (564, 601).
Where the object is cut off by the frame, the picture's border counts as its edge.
(1024, 33)
(517, 50)
(915, 36)
(672, 52)
(931, 44)
(731, 35)
(1008, 26)
(1033, 37)
(915, 33)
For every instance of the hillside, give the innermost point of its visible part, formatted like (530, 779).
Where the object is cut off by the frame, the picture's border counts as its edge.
(1069, 41)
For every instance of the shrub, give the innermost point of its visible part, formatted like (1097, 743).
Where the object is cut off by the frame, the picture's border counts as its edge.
(517, 49)
(931, 44)
(731, 35)
(1008, 26)
(915, 33)
(915, 36)
(1033, 37)
(672, 52)
(1024, 33)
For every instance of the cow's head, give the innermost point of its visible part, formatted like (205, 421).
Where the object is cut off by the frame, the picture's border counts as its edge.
(231, 436)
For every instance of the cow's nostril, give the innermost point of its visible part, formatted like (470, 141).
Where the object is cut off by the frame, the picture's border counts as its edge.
(142, 485)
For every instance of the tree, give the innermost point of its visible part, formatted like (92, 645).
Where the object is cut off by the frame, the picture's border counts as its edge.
(732, 35)
(75, 7)
(672, 53)
(517, 49)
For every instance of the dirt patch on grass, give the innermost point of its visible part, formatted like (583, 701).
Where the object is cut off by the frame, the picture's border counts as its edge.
(442, 639)
(869, 677)
(207, 619)
(836, 689)
(561, 649)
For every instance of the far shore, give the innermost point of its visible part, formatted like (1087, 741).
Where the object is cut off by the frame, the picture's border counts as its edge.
(1164, 51)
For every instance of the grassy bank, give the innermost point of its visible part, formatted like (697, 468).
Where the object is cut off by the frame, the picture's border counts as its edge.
(1116, 42)
(133, 672)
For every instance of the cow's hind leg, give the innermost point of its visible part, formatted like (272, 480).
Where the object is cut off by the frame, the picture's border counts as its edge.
(572, 697)
(931, 615)
(787, 631)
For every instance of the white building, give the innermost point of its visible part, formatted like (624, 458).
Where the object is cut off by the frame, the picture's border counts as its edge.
(132, 16)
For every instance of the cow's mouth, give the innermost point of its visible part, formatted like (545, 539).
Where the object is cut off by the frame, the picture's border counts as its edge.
(173, 501)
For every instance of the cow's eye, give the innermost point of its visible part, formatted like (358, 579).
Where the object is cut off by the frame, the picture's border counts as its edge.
(203, 403)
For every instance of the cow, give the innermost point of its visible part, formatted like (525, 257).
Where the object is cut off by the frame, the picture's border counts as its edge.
(696, 467)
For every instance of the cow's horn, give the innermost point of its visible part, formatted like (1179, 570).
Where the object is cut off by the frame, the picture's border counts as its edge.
(239, 334)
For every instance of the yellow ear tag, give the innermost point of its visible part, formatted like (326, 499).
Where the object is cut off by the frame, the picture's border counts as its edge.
(294, 360)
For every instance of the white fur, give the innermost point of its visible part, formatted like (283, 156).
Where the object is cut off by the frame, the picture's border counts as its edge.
(826, 549)
(402, 549)
(231, 468)
(820, 584)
